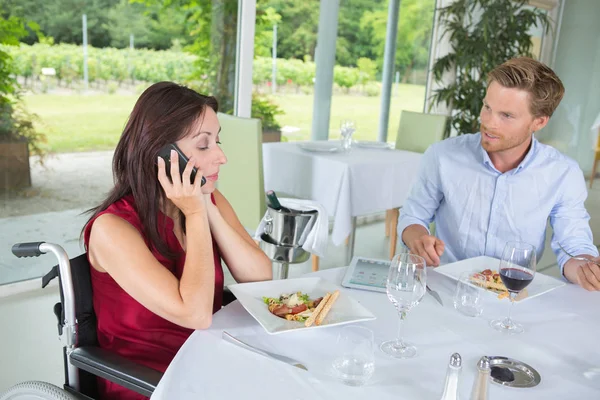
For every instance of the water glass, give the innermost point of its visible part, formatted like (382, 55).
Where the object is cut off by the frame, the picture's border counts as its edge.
(468, 297)
(354, 363)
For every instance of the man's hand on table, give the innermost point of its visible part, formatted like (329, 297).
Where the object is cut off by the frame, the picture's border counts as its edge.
(585, 274)
(420, 242)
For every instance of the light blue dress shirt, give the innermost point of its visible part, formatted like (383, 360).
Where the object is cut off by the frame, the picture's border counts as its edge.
(477, 209)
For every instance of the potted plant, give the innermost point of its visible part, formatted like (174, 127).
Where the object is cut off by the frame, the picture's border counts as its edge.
(17, 134)
(266, 111)
(483, 34)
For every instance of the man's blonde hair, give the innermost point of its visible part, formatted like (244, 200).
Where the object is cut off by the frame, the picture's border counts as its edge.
(543, 85)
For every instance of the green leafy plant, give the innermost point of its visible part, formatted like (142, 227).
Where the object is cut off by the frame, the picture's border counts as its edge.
(345, 77)
(483, 34)
(16, 123)
(266, 110)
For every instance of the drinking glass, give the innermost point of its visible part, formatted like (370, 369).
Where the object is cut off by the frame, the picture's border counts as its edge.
(468, 297)
(355, 362)
(517, 268)
(405, 288)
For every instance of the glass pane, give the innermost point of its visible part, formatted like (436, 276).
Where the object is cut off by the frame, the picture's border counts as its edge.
(131, 46)
(283, 86)
(360, 53)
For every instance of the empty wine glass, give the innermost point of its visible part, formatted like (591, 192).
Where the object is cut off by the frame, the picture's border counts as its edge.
(405, 288)
(347, 128)
(517, 268)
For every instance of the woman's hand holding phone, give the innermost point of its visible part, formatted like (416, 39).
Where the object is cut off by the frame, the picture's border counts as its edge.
(186, 196)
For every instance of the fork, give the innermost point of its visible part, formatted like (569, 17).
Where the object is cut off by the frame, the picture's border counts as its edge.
(577, 257)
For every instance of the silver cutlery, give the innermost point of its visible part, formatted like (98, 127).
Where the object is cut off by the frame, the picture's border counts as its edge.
(577, 257)
(434, 294)
(231, 339)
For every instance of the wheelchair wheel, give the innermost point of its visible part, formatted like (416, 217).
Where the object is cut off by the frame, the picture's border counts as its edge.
(35, 390)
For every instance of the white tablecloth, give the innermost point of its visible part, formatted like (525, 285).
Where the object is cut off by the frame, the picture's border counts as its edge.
(560, 342)
(361, 182)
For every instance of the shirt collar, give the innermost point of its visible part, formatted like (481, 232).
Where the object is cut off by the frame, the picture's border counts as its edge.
(532, 149)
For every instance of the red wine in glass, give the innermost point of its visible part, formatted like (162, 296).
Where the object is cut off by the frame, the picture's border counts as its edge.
(515, 279)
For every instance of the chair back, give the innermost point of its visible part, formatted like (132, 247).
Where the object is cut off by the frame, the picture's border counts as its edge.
(418, 131)
(241, 179)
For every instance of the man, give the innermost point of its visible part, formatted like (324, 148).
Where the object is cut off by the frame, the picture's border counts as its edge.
(501, 184)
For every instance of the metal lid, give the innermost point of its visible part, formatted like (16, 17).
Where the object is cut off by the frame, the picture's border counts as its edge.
(525, 376)
(484, 363)
(455, 360)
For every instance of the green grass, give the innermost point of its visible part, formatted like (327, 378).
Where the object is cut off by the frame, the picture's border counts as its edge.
(81, 123)
(95, 122)
(363, 110)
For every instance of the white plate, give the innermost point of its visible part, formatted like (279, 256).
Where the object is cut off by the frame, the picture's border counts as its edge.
(344, 311)
(373, 145)
(541, 283)
(320, 146)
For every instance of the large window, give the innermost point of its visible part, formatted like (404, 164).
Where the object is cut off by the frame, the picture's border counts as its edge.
(129, 47)
(360, 57)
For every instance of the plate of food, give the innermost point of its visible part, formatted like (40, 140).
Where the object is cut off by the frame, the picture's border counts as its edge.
(294, 304)
(486, 274)
(322, 146)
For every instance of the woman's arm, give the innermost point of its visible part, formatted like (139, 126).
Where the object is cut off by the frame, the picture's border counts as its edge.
(246, 261)
(117, 247)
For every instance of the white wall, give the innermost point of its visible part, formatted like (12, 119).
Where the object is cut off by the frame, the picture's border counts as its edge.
(29, 344)
(578, 66)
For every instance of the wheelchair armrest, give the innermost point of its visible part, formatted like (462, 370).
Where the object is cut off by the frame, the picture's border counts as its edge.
(117, 369)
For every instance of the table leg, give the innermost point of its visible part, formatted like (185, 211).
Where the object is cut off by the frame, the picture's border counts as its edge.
(351, 238)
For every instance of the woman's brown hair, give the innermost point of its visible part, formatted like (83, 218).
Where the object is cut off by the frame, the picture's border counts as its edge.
(163, 114)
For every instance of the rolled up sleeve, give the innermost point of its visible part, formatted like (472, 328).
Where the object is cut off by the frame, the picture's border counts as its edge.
(570, 220)
(425, 195)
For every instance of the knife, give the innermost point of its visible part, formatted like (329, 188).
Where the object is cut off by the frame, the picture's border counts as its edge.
(435, 295)
(231, 339)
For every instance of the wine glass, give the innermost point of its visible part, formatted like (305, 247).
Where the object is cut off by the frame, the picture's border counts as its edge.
(517, 268)
(405, 288)
(347, 128)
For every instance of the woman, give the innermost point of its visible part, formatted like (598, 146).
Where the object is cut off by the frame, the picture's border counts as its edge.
(155, 244)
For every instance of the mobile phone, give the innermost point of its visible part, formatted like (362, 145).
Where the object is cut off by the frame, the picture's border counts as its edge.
(165, 153)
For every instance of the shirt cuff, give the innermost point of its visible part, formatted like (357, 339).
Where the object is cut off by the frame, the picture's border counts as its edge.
(563, 258)
(405, 221)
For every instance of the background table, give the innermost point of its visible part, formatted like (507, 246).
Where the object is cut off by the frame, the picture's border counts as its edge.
(361, 182)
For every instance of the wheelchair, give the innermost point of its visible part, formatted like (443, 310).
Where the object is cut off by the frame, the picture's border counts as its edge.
(83, 360)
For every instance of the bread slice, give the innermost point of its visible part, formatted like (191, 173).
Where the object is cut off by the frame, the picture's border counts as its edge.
(317, 310)
(321, 316)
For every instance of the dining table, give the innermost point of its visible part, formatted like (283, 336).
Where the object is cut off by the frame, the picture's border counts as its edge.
(560, 342)
(371, 177)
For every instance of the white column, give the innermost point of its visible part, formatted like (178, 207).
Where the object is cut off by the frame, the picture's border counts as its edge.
(245, 56)
(389, 58)
(325, 61)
